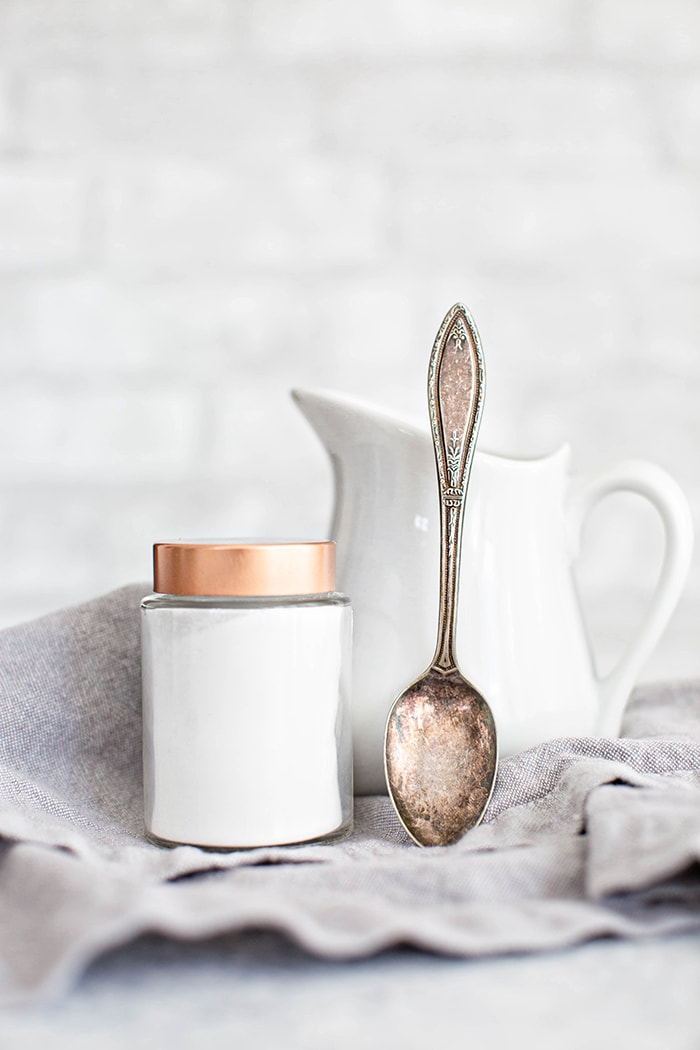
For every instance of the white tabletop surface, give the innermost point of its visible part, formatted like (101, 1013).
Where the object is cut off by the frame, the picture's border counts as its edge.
(258, 991)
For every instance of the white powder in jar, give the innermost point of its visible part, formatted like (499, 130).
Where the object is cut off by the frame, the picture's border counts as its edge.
(246, 729)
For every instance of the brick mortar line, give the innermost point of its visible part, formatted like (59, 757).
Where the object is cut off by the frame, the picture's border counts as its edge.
(262, 65)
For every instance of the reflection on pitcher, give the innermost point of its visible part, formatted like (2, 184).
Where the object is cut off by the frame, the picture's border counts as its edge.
(520, 628)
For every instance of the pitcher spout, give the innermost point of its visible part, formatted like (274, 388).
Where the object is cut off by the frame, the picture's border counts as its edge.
(379, 462)
(342, 421)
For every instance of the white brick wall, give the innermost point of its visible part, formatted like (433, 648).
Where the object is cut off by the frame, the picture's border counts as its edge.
(42, 217)
(206, 202)
(184, 219)
(393, 30)
(646, 32)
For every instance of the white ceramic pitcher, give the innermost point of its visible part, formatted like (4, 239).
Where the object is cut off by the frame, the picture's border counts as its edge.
(520, 635)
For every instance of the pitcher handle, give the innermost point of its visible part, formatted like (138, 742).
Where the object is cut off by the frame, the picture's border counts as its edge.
(665, 494)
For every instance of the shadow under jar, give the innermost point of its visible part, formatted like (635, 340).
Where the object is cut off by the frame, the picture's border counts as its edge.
(246, 661)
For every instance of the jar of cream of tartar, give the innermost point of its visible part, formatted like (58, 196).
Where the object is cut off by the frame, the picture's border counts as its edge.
(246, 662)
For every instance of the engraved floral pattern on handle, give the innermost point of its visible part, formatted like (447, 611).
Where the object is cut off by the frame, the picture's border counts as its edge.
(459, 333)
(454, 455)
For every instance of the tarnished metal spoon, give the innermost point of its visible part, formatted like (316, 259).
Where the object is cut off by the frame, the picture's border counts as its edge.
(440, 748)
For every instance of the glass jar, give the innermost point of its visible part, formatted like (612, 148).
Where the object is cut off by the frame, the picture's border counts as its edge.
(246, 661)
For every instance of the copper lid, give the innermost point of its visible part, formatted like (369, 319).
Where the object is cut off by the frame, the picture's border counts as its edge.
(243, 569)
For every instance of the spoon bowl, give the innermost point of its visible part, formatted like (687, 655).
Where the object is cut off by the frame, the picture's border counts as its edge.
(440, 757)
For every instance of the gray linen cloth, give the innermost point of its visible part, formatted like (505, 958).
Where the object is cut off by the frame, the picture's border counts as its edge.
(583, 838)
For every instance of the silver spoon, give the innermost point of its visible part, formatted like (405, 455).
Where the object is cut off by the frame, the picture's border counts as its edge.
(440, 748)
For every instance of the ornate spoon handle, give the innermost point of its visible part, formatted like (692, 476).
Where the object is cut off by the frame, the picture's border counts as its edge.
(455, 399)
